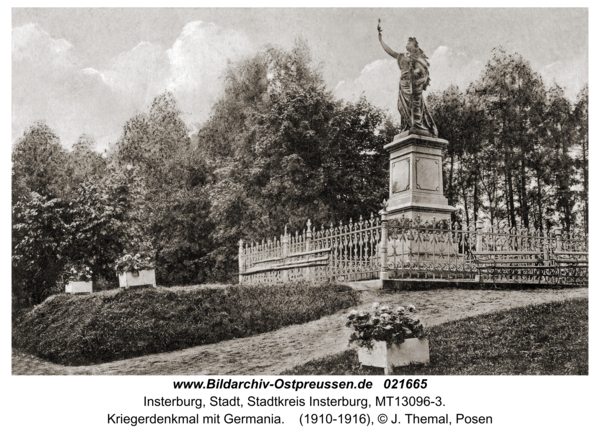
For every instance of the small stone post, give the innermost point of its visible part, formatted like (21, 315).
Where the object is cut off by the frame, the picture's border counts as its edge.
(241, 259)
(479, 228)
(309, 270)
(383, 245)
(545, 243)
(285, 242)
(558, 235)
(308, 236)
(479, 245)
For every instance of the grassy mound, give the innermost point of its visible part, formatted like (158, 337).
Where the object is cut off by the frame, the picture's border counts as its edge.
(119, 324)
(547, 339)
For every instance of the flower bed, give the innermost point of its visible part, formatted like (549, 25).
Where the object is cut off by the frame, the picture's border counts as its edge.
(77, 272)
(388, 337)
(133, 263)
(136, 270)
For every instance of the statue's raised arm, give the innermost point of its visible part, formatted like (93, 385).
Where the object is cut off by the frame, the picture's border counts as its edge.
(387, 49)
(414, 79)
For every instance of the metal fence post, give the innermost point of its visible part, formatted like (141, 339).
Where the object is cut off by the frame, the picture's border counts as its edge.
(479, 240)
(309, 270)
(558, 235)
(545, 245)
(241, 260)
(383, 246)
(479, 245)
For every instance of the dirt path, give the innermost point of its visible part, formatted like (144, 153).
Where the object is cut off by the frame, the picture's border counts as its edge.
(273, 352)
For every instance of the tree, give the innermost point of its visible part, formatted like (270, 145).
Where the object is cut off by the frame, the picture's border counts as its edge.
(559, 142)
(460, 120)
(106, 218)
(37, 247)
(283, 151)
(174, 175)
(580, 119)
(514, 99)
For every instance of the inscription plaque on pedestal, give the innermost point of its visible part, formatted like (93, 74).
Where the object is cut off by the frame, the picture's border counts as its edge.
(427, 171)
(400, 175)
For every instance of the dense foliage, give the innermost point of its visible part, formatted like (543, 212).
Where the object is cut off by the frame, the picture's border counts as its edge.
(283, 150)
(547, 339)
(119, 324)
(37, 244)
(518, 151)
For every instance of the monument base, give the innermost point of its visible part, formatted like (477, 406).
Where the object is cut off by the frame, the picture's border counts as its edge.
(413, 130)
(416, 181)
(424, 214)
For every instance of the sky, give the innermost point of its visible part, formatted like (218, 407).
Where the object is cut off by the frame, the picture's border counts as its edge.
(87, 71)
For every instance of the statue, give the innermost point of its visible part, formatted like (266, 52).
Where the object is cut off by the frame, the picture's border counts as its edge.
(414, 79)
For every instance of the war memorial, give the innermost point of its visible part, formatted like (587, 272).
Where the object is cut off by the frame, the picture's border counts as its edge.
(414, 239)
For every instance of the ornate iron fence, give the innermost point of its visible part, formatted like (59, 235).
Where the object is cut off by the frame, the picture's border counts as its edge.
(378, 248)
(430, 250)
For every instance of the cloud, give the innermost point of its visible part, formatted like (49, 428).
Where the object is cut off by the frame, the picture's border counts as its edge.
(30, 42)
(571, 75)
(198, 59)
(48, 83)
(51, 83)
(378, 82)
(138, 75)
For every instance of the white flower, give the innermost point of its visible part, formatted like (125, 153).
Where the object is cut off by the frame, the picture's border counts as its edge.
(129, 167)
(385, 317)
(385, 308)
(400, 309)
(375, 305)
(411, 308)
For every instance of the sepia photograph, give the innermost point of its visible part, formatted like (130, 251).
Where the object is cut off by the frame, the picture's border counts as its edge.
(392, 192)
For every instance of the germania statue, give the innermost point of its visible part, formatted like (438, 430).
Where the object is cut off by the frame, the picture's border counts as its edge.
(414, 79)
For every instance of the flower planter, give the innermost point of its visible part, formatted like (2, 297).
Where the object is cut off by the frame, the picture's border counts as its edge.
(144, 277)
(413, 350)
(79, 287)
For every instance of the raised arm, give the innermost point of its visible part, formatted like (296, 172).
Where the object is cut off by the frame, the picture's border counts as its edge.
(387, 49)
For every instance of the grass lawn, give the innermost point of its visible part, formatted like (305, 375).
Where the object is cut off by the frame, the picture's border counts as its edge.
(120, 324)
(546, 339)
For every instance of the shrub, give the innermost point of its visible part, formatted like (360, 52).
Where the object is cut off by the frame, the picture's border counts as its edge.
(77, 272)
(119, 324)
(134, 262)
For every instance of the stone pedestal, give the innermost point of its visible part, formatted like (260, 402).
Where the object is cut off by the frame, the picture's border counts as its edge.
(416, 182)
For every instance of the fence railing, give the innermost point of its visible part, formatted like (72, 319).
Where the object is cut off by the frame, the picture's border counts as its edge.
(378, 248)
